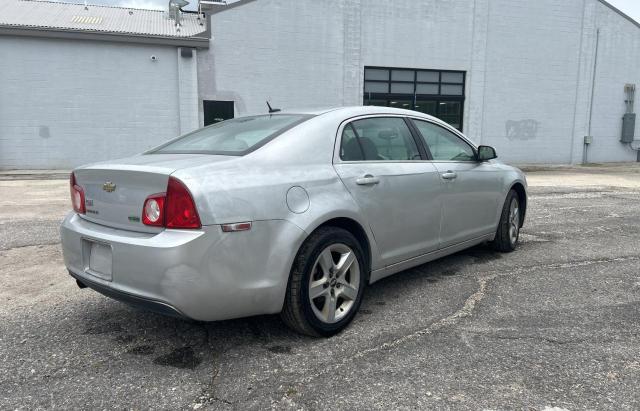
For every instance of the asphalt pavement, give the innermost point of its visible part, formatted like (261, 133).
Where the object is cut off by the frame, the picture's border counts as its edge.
(554, 324)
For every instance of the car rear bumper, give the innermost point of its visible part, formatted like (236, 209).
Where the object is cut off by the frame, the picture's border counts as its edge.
(134, 300)
(204, 274)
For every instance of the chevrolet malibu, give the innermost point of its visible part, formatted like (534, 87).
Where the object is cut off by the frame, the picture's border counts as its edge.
(290, 212)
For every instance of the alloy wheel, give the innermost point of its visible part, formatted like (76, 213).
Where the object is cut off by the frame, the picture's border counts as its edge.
(334, 283)
(514, 221)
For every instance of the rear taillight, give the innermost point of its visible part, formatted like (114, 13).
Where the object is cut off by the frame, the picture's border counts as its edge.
(173, 209)
(153, 212)
(77, 195)
(180, 208)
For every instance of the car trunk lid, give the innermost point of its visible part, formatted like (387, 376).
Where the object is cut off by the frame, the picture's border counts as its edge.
(115, 192)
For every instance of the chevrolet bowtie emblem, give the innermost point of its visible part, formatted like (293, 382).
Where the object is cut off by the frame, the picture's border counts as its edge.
(109, 187)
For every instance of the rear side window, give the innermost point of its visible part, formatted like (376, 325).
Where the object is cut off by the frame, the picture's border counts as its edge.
(443, 144)
(233, 137)
(378, 139)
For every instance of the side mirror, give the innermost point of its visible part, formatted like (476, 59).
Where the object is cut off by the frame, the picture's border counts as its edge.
(486, 153)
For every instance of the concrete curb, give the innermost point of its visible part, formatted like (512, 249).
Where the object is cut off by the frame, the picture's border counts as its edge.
(34, 175)
(580, 168)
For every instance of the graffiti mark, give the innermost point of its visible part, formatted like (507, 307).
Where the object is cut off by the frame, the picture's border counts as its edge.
(44, 132)
(522, 130)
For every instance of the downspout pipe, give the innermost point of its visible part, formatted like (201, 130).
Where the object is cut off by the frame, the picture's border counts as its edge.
(593, 88)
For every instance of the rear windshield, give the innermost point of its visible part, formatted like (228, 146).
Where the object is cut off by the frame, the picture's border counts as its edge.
(233, 137)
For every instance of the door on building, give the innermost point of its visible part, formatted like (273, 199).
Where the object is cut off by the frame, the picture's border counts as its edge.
(216, 111)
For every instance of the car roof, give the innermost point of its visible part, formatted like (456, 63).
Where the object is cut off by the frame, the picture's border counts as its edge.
(354, 111)
(351, 110)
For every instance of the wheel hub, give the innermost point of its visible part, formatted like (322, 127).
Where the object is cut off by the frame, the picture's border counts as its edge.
(514, 221)
(334, 283)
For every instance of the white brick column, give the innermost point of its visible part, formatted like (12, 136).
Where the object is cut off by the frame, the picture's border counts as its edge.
(352, 87)
(188, 91)
(584, 78)
(476, 77)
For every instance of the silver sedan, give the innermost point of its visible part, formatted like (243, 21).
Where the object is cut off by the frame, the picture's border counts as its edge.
(291, 212)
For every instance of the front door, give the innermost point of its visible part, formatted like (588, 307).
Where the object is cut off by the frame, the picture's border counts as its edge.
(397, 191)
(471, 190)
(216, 111)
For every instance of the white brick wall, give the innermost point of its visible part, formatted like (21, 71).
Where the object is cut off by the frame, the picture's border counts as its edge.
(529, 71)
(64, 103)
(292, 55)
(528, 63)
(618, 63)
(530, 88)
(188, 91)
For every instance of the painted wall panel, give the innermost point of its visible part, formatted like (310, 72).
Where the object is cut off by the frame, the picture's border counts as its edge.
(64, 103)
(618, 64)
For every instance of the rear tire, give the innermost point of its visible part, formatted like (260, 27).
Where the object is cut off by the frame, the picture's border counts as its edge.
(326, 284)
(509, 227)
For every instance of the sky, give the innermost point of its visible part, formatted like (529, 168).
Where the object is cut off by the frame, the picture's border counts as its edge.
(630, 7)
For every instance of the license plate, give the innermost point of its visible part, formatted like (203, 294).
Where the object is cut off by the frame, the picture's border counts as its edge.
(100, 260)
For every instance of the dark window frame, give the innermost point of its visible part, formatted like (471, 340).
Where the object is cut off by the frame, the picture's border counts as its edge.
(210, 106)
(438, 98)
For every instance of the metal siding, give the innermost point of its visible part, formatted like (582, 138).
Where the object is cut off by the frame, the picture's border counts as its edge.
(66, 16)
(65, 103)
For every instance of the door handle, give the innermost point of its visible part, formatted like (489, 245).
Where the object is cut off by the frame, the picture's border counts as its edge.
(367, 180)
(449, 175)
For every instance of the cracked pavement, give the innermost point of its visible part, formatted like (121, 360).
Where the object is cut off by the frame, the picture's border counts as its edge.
(554, 324)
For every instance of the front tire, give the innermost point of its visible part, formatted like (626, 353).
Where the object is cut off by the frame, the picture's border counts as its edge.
(326, 284)
(508, 231)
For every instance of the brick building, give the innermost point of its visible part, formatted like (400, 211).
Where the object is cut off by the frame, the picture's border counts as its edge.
(531, 78)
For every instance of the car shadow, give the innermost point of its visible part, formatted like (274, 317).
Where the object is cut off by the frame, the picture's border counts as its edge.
(181, 343)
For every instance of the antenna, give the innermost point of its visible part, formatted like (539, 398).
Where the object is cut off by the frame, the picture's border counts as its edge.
(175, 7)
(272, 110)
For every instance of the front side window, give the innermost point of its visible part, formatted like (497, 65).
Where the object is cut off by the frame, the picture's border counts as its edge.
(233, 137)
(378, 139)
(443, 144)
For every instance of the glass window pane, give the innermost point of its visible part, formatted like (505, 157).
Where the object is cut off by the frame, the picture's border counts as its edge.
(376, 74)
(427, 89)
(429, 76)
(402, 75)
(231, 137)
(428, 107)
(450, 112)
(443, 144)
(452, 77)
(403, 88)
(371, 87)
(383, 138)
(451, 90)
(450, 108)
(350, 149)
(374, 102)
(405, 104)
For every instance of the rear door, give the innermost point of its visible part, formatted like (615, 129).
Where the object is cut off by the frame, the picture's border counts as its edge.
(396, 189)
(471, 189)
